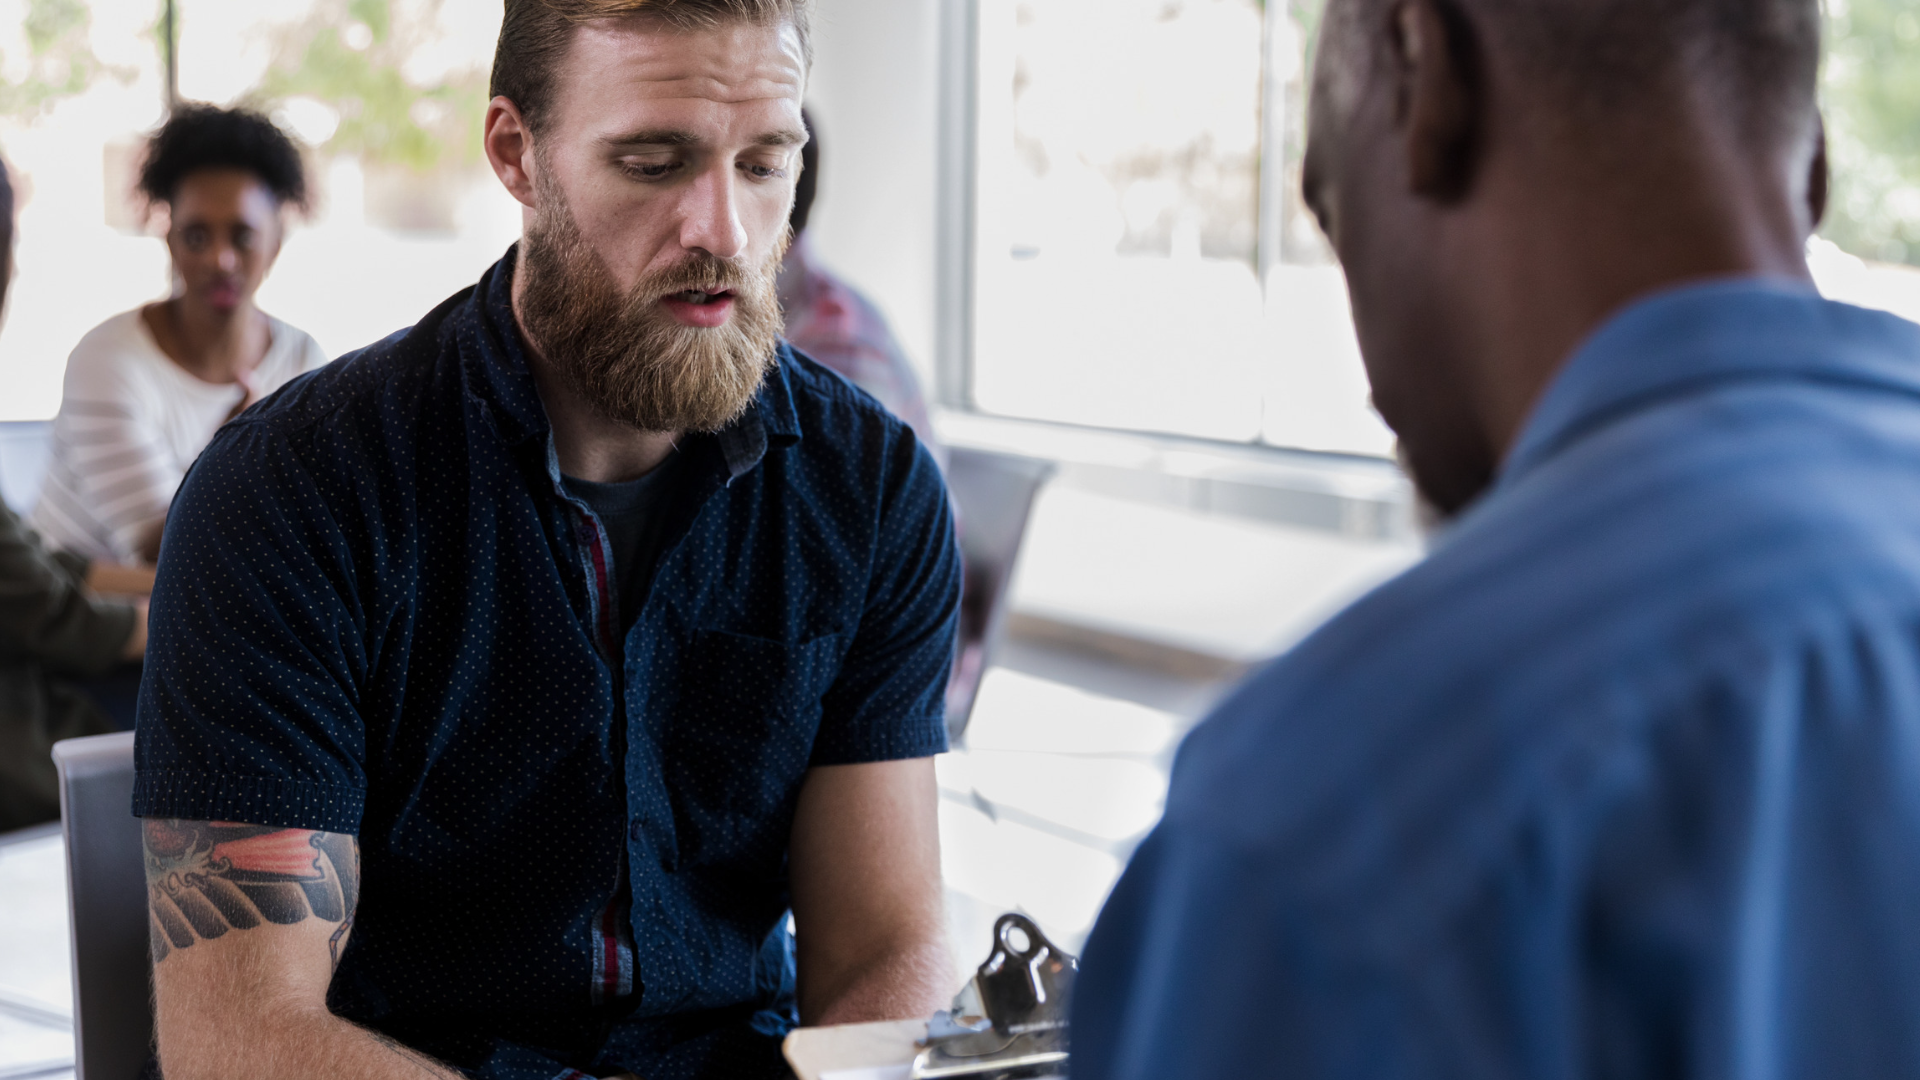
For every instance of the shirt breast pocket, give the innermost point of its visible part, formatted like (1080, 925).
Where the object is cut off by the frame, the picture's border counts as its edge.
(740, 741)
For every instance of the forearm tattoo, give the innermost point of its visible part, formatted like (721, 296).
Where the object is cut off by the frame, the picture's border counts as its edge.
(205, 878)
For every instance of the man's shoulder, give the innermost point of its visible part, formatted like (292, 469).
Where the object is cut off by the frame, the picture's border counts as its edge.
(820, 389)
(836, 417)
(1759, 503)
(1647, 563)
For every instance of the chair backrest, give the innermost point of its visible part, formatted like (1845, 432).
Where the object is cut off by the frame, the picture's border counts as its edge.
(26, 449)
(107, 897)
(995, 494)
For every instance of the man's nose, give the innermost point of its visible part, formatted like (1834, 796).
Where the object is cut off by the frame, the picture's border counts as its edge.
(710, 219)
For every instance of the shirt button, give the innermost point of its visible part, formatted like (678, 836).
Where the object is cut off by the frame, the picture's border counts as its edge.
(634, 829)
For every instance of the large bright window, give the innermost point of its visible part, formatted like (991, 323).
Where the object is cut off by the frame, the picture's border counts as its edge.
(1143, 261)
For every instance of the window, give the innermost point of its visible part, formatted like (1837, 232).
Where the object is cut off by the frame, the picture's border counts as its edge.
(77, 83)
(1143, 260)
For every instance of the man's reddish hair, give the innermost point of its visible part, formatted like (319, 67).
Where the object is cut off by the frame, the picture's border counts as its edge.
(535, 35)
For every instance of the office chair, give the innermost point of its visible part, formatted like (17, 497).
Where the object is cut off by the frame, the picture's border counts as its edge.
(995, 494)
(107, 897)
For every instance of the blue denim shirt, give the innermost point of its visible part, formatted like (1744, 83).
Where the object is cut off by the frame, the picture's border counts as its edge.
(1622, 781)
(379, 612)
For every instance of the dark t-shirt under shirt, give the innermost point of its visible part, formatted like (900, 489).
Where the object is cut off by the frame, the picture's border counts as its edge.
(633, 512)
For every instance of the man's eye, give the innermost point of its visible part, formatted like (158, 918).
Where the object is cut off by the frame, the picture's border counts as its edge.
(650, 170)
(763, 172)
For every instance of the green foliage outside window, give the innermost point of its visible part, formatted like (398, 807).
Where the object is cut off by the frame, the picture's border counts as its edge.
(351, 56)
(1300, 238)
(1871, 95)
(59, 63)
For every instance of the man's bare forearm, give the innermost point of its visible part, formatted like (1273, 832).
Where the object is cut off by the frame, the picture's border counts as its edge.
(903, 983)
(248, 923)
(287, 1046)
(869, 920)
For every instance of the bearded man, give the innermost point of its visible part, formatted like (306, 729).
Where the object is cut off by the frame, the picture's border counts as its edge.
(513, 679)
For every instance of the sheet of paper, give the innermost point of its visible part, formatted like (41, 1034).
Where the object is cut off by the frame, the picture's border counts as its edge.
(878, 1051)
(875, 1072)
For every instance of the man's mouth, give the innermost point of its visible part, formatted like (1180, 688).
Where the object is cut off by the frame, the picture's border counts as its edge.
(706, 308)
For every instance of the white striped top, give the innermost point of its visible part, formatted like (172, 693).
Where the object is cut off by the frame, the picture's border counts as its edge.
(131, 422)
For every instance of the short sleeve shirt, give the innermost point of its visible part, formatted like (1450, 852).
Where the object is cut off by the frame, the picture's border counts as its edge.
(380, 612)
(1622, 781)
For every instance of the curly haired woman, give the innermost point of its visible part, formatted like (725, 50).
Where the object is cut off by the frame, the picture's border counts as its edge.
(146, 390)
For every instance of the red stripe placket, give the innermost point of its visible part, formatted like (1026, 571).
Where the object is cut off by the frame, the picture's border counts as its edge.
(603, 601)
(602, 590)
(609, 956)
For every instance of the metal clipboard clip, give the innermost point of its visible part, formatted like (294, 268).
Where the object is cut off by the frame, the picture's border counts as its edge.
(1010, 1021)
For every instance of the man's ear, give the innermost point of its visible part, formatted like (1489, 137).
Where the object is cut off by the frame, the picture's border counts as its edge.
(1438, 97)
(509, 146)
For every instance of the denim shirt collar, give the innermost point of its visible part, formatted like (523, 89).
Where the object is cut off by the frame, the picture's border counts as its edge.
(497, 374)
(1679, 341)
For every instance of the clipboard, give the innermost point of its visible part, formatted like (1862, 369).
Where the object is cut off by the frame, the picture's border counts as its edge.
(1008, 1023)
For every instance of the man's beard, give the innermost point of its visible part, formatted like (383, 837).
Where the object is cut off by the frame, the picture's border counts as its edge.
(626, 354)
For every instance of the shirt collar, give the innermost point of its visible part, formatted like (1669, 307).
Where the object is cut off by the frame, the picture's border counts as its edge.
(1680, 341)
(498, 374)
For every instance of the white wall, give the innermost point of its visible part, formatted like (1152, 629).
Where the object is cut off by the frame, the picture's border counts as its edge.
(875, 98)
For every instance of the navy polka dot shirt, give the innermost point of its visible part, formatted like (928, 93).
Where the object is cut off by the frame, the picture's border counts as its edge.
(379, 612)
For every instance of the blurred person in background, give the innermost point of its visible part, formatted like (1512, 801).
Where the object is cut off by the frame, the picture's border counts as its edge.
(1624, 779)
(831, 322)
(146, 390)
(516, 679)
(66, 625)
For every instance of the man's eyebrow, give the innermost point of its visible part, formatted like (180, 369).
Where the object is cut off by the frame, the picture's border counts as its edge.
(783, 137)
(654, 138)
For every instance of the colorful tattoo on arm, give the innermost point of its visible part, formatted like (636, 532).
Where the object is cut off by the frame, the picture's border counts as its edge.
(205, 878)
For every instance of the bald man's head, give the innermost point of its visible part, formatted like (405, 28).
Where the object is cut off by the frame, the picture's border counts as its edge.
(1592, 60)
(1498, 175)
(1759, 58)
